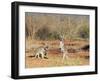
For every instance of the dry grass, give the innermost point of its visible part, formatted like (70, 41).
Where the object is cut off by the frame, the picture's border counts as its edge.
(54, 56)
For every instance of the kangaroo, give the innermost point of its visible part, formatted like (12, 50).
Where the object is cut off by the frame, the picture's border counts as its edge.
(62, 50)
(65, 55)
(61, 45)
(41, 52)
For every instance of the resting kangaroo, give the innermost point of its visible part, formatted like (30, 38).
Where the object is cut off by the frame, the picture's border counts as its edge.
(41, 52)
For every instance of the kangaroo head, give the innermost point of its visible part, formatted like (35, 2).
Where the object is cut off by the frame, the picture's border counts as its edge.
(46, 48)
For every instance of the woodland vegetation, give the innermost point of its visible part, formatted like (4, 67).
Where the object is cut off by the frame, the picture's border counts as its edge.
(45, 26)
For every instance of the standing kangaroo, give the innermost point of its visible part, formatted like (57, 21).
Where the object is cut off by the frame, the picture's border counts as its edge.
(62, 49)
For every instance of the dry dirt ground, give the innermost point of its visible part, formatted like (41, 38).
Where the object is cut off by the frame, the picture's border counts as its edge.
(75, 58)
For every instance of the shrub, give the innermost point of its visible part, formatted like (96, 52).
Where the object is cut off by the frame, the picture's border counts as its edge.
(42, 33)
(84, 32)
(53, 35)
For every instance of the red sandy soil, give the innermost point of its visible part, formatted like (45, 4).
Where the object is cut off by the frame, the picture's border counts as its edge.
(75, 58)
